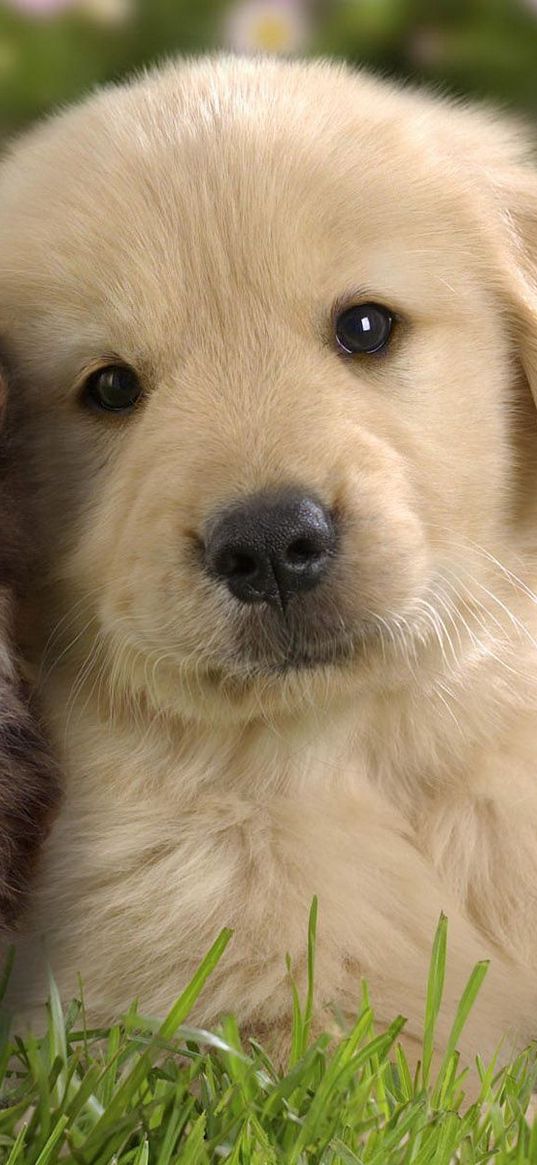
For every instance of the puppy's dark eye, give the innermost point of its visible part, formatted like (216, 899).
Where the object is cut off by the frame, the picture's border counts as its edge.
(115, 388)
(365, 328)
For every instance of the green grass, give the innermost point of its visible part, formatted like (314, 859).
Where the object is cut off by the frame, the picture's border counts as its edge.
(147, 1093)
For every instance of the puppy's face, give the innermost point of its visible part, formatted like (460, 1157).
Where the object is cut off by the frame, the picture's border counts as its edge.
(267, 384)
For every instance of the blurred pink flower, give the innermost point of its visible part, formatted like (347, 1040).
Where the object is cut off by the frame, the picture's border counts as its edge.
(40, 7)
(274, 26)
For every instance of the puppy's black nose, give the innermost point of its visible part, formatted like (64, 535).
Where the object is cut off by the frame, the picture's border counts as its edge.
(271, 546)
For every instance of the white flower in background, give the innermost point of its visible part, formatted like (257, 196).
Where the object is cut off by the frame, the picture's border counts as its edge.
(106, 11)
(272, 26)
(40, 7)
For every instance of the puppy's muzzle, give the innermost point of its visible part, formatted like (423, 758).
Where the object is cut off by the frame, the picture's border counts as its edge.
(270, 547)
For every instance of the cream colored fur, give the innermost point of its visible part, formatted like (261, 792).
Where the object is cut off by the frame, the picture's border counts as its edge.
(200, 224)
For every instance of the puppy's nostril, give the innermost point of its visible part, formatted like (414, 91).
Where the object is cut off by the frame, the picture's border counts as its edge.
(303, 550)
(235, 563)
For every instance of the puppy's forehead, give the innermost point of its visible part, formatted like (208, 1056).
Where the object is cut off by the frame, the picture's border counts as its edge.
(284, 180)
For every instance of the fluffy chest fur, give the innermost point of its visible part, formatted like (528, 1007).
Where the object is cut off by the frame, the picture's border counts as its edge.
(166, 836)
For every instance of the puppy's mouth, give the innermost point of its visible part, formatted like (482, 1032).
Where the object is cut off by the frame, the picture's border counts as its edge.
(243, 669)
(309, 635)
(335, 655)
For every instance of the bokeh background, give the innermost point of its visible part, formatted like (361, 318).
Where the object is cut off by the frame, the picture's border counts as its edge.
(51, 51)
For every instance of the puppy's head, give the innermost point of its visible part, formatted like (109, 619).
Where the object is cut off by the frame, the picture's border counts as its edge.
(269, 324)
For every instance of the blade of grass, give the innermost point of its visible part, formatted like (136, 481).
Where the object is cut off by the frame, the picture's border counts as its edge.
(182, 1008)
(17, 1148)
(467, 1001)
(57, 1040)
(142, 1156)
(435, 988)
(108, 1083)
(177, 1014)
(174, 1121)
(297, 1021)
(312, 942)
(190, 1153)
(52, 1143)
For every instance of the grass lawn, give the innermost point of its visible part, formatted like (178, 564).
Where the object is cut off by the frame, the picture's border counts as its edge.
(124, 1096)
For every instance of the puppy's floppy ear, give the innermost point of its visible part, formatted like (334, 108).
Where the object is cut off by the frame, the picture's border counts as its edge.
(496, 159)
(515, 193)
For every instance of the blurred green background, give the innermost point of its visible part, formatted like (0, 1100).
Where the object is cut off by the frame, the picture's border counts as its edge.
(53, 50)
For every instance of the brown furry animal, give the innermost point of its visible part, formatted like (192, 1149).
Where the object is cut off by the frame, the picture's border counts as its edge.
(29, 783)
(274, 328)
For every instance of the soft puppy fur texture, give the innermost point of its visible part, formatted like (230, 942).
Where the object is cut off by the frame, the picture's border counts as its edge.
(374, 742)
(29, 781)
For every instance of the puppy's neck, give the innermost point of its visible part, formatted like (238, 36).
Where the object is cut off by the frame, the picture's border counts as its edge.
(424, 735)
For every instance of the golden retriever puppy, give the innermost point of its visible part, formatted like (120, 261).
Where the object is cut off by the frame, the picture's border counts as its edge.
(274, 332)
(29, 783)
